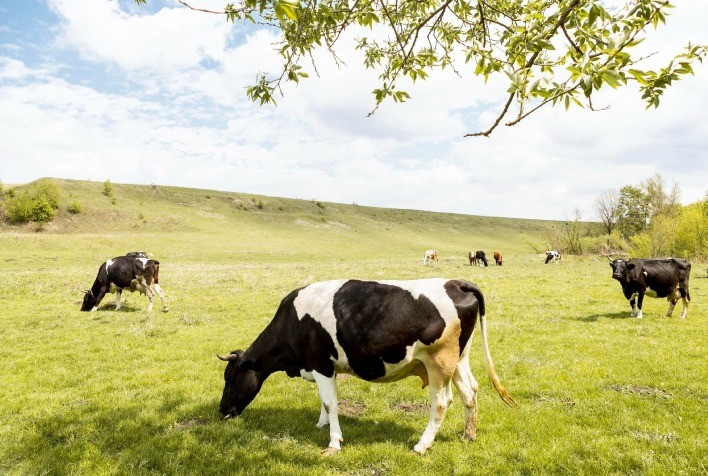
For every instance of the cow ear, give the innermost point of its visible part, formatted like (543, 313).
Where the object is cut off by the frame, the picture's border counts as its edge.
(245, 365)
(630, 265)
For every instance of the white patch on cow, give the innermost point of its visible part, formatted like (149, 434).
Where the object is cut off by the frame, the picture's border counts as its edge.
(645, 274)
(317, 301)
(109, 263)
(307, 375)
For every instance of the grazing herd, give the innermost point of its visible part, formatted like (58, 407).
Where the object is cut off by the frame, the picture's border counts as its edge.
(379, 331)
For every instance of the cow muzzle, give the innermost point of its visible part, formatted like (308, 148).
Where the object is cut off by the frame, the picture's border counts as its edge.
(229, 413)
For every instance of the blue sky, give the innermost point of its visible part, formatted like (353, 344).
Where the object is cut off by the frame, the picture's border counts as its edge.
(104, 89)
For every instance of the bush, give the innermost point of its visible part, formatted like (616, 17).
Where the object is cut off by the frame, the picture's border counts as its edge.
(75, 207)
(42, 211)
(47, 191)
(107, 188)
(24, 208)
(18, 209)
(604, 245)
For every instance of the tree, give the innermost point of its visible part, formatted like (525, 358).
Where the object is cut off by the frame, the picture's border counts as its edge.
(660, 202)
(547, 51)
(633, 209)
(607, 209)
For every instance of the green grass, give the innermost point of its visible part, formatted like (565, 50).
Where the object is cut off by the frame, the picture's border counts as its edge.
(129, 392)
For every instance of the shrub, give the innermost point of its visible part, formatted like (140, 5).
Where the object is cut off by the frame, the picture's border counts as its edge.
(75, 207)
(107, 188)
(24, 207)
(48, 191)
(42, 211)
(18, 209)
(604, 245)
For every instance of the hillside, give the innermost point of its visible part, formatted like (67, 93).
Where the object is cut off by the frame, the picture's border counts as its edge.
(192, 222)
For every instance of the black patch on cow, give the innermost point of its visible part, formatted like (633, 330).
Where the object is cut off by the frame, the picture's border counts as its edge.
(292, 344)
(376, 322)
(467, 299)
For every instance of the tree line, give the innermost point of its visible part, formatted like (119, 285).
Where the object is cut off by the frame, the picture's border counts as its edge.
(641, 220)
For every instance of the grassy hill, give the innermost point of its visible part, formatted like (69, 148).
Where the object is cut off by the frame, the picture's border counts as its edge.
(176, 222)
(131, 392)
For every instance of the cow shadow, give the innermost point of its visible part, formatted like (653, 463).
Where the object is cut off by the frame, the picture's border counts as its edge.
(614, 315)
(139, 442)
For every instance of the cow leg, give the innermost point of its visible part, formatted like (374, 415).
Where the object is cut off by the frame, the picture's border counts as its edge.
(159, 292)
(467, 388)
(143, 287)
(640, 300)
(118, 294)
(324, 416)
(440, 398)
(327, 387)
(632, 303)
(685, 298)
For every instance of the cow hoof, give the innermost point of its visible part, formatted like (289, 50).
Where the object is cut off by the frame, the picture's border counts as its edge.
(420, 449)
(166, 309)
(329, 451)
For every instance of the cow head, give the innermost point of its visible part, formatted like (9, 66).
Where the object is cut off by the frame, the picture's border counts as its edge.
(241, 384)
(89, 301)
(621, 269)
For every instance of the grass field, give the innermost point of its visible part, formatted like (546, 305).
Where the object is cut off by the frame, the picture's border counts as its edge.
(129, 392)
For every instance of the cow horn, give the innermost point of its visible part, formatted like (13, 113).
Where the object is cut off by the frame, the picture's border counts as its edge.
(228, 357)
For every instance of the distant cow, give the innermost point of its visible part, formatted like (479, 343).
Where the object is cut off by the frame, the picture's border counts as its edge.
(479, 258)
(132, 273)
(553, 255)
(656, 278)
(380, 331)
(498, 258)
(430, 255)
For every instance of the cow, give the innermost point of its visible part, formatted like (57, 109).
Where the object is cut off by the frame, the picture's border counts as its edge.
(379, 331)
(553, 255)
(133, 272)
(478, 258)
(653, 277)
(498, 258)
(430, 255)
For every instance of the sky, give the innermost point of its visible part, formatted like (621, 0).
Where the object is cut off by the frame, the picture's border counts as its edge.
(107, 90)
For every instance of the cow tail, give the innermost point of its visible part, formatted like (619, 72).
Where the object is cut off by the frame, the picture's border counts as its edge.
(493, 377)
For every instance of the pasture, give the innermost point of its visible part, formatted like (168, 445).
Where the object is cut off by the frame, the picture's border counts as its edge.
(129, 392)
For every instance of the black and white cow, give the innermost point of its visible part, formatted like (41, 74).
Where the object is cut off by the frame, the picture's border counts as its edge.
(655, 278)
(380, 331)
(133, 272)
(553, 255)
(480, 258)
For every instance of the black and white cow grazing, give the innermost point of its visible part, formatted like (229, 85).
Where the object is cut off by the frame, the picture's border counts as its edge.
(553, 255)
(132, 273)
(656, 278)
(380, 331)
(478, 258)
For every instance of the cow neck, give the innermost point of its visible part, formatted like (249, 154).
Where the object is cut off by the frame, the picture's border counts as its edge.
(270, 352)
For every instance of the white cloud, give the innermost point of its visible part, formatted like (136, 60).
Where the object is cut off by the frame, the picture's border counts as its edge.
(185, 121)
